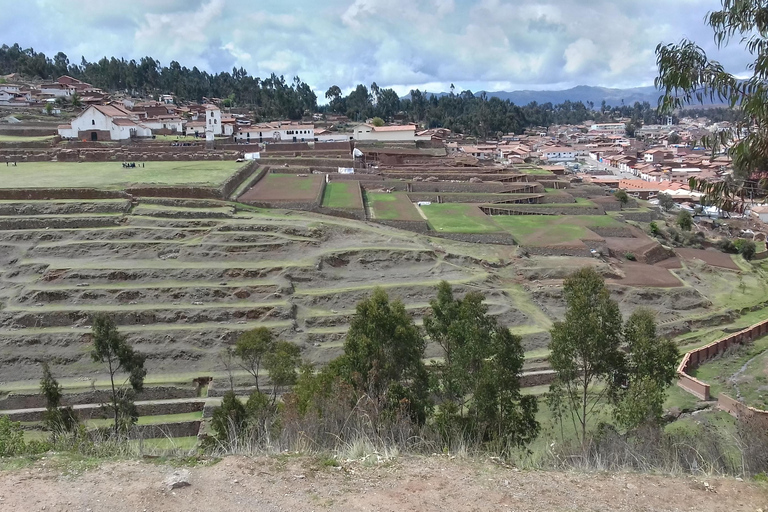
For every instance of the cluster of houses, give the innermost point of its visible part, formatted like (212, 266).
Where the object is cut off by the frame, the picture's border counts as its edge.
(14, 94)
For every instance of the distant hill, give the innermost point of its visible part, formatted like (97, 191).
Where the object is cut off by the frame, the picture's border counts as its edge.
(583, 93)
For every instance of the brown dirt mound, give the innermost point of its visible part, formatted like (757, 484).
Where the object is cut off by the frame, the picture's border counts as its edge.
(407, 484)
(711, 257)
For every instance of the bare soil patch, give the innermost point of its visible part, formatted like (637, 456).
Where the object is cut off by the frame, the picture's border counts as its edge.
(640, 274)
(284, 188)
(407, 484)
(712, 257)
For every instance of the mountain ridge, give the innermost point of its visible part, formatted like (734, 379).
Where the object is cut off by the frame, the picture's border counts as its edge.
(583, 93)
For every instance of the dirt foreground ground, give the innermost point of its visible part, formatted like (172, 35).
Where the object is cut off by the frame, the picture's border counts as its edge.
(406, 484)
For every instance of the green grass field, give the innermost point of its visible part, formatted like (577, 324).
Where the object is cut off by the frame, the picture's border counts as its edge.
(112, 175)
(15, 138)
(342, 195)
(395, 206)
(552, 229)
(459, 218)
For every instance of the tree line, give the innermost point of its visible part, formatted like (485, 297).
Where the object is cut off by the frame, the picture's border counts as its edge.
(273, 97)
(276, 97)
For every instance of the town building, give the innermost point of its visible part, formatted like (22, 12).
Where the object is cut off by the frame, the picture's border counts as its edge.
(105, 122)
(276, 132)
(559, 154)
(398, 133)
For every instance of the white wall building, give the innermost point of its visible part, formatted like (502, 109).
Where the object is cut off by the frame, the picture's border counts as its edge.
(58, 90)
(614, 128)
(173, 123)
(404, 133)
(213, 119)
(276, 132)
(105, 122)
(559, 154)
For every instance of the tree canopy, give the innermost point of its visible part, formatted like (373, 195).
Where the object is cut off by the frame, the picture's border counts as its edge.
(687, 75)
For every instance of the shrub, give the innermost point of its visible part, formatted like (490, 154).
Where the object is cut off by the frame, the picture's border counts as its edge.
(746, 248)
(630, 256)
(655, 231)
(684, 220)
(727, 246)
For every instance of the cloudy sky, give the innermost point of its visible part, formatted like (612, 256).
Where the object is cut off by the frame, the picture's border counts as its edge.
(474, 44)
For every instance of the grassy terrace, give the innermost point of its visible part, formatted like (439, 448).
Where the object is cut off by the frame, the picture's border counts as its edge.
(342, 194)
(112, 175)
(459, 218)
(552, 229)
(17, 138)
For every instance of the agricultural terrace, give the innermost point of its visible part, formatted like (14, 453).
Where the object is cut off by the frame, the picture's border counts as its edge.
(541, 230)
(285, 188)
(112, 175)
(459, 218)
(343, 195)
(394, 206)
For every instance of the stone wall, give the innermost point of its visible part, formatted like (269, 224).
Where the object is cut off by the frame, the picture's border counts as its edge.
(44, 194)
(96, 411)
(181, 192)
(309, 162)
(477, 238)
(165, 430)
(699, 356)
(419, 226)
(742, 411)
(31, 401)
(253, 180)
(234, 181)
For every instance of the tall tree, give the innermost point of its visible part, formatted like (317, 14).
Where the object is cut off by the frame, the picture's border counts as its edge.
(56, 419)
(251, 348)
(585, 349)
(281, 363)
(112, 349)
(651, 368)
(478, 380)
(383, 354)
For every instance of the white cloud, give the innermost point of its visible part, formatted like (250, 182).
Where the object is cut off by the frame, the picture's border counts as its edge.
(401, 43)
(580, 54)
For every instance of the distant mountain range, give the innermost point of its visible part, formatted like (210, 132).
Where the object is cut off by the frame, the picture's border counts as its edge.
(583, 93)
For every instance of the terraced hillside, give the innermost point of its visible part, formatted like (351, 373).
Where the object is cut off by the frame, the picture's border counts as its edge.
(182, 278)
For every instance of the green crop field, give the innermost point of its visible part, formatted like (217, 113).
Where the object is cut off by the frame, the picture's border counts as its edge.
(459, 218)
(395, 206)
(112, 175)
(342, 195)
(16, 138)
(552, 229)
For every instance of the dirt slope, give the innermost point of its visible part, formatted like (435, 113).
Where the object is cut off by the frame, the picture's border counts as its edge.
(408, 484)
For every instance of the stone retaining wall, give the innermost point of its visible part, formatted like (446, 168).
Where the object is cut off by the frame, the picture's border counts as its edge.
(32, 401)
(44, 194)
(164, 430)
(419, 226)
(95, 412)
(699, 356)
(476, 238)
(233, 182)
(180, 192)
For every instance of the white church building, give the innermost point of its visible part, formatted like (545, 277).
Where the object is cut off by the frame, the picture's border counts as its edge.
(105, 122)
